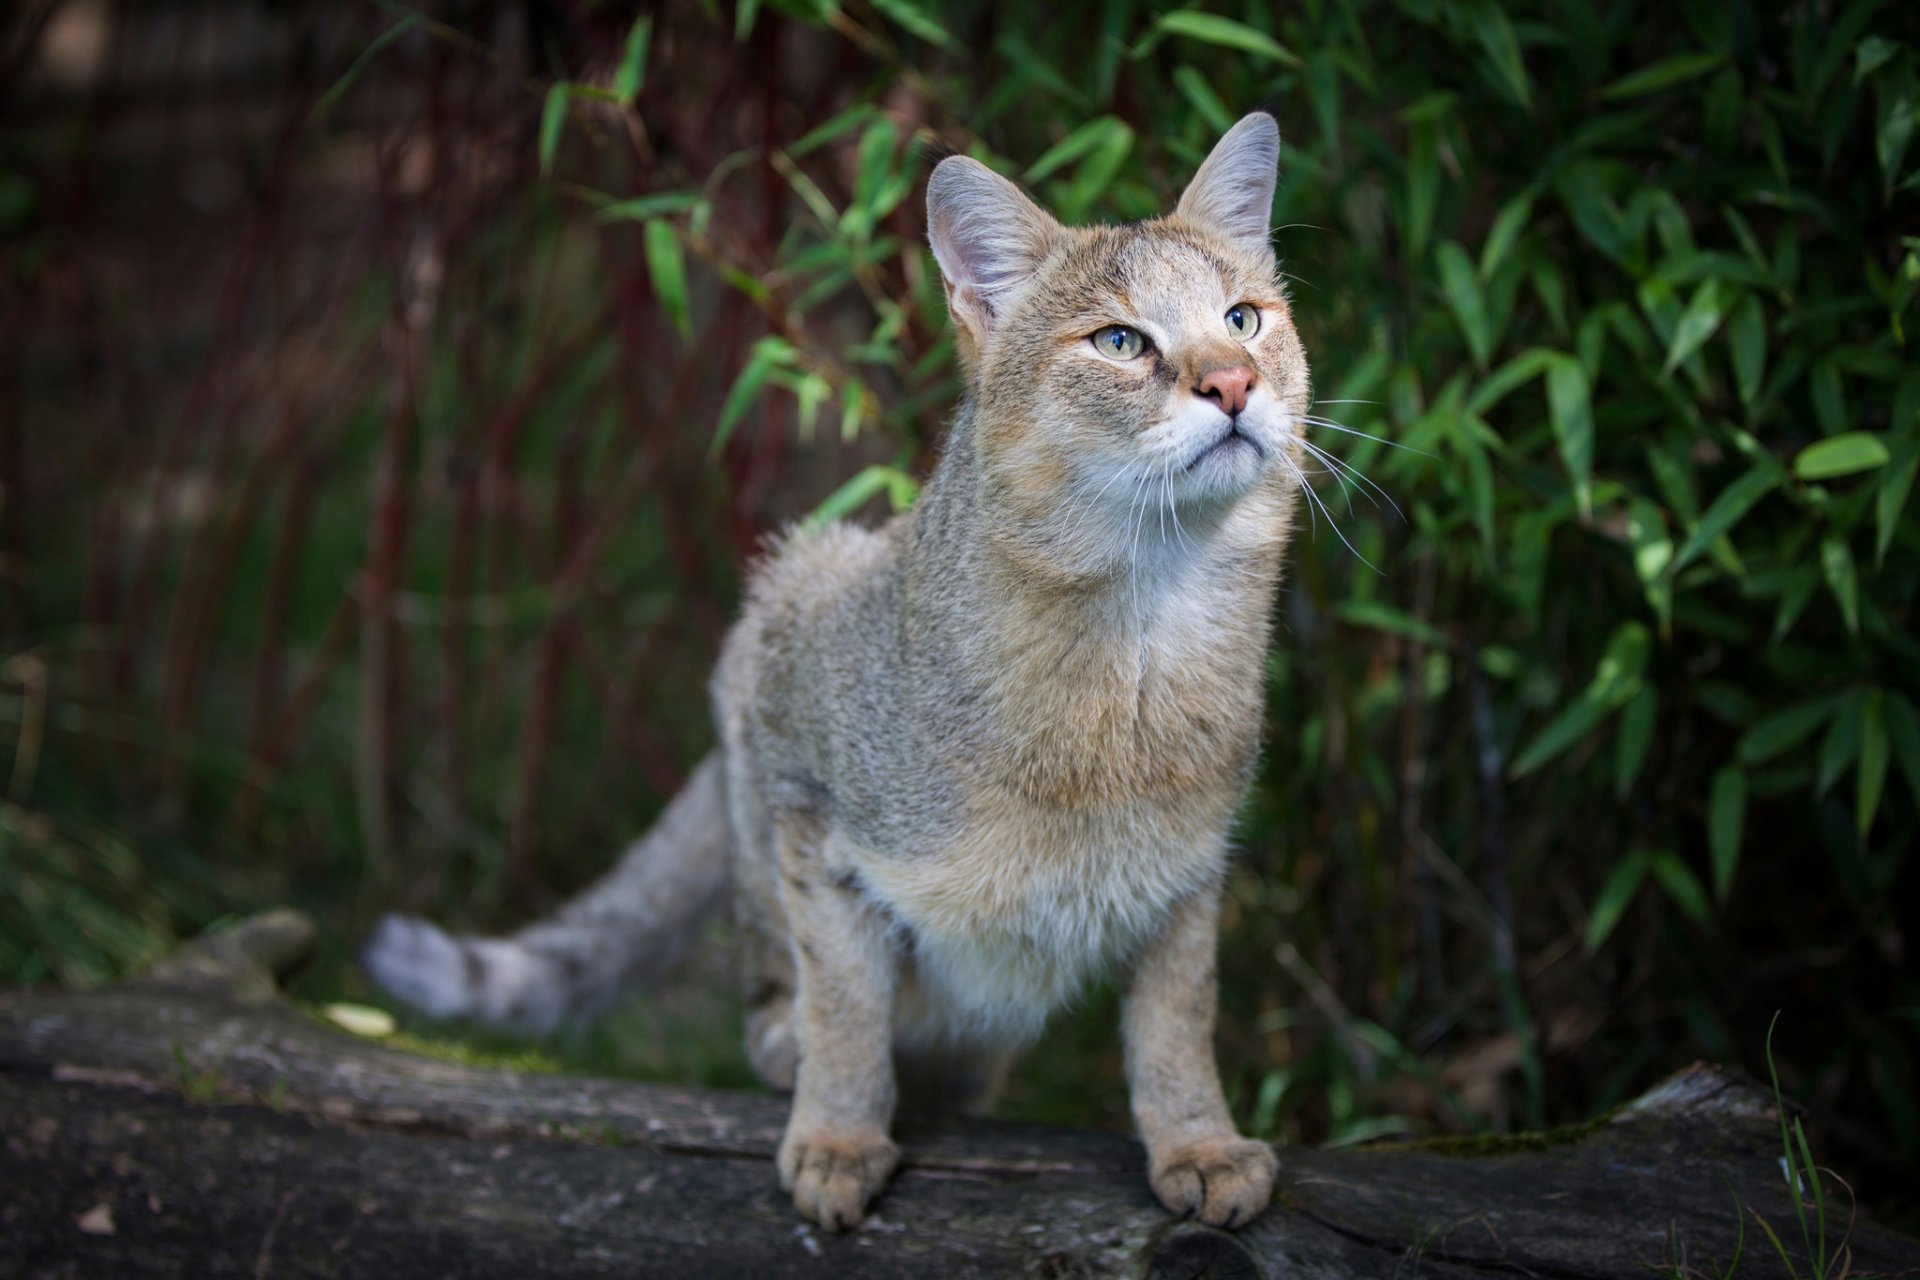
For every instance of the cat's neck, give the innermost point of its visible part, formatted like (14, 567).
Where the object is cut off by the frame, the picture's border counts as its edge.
(1118, 556)
(1117, 656)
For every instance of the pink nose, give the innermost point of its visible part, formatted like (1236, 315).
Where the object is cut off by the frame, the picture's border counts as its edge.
(1227, 387)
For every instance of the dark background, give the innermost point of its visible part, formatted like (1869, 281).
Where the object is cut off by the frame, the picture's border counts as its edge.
(389, 398)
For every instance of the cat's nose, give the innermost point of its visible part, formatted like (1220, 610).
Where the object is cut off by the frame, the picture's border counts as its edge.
(1227, 388)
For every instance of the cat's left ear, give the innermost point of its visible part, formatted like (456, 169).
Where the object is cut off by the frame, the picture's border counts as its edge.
(1232, 195)
(988, 239)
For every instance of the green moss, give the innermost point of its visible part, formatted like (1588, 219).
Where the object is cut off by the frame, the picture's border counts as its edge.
(478, 1051)
(519, 1058)
(1472, 1145)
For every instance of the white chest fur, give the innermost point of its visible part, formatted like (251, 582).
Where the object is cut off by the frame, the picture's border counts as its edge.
(1016, 918)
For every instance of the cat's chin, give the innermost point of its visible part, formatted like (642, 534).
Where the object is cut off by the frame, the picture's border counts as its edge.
(1225, 469)
(1233, 448)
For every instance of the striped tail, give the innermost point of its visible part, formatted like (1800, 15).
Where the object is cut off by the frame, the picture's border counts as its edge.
(620, 932)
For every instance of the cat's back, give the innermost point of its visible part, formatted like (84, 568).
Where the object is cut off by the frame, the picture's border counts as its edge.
(815, 667)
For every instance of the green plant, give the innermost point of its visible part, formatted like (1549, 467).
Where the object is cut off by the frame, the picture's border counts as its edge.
(1593, 740)
(1803, 1179)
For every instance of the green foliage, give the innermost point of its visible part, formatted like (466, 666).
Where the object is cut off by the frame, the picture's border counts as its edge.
(1593, 717)
(1628, 285)
(77, 904)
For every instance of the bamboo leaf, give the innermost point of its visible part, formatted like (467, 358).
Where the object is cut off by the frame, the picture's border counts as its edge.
(846, 122)
(1509, 377)
(1747, 333)
(1616, 680)
(852, 409)
(873, 164)
(911, 17)
(1895, 488)
(1783, 730)
(1870, 771)
(1725, 511)
(810, 391)
(1840, 747)
(1897, 117)
(1210, 28)
(1423, 185)
(1871, 54)
(1615, 896)
(1829, 397)
(1494, 30)
(1660, 75)
(866, 484)
(648, 207)
(1697, 323)
(339, 87)
(553, 118)
(1841, 455)
(1683, 887)
(1836, 561)
(1096, 173)
(1635, 737)
(1652, 553)
(667, 268)
(1088, 137)
(1378, 615)
(632, 71)
(1461, 284)
(1505, 232)
(1199, 93)
(767, 355)
(1570, 406)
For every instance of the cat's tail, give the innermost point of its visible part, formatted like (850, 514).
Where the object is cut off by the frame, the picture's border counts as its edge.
(624, 929)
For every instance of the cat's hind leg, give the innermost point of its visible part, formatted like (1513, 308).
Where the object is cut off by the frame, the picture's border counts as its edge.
(764, 950)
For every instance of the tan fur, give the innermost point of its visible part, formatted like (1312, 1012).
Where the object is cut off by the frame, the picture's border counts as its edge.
(973, 759)
(981, 755)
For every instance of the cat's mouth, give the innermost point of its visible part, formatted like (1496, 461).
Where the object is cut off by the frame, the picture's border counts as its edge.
(1230, 442)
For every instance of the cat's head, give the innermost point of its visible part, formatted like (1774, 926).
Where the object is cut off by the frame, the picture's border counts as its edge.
(1102, 360)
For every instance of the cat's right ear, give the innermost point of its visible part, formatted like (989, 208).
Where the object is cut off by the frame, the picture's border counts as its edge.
(988, 239)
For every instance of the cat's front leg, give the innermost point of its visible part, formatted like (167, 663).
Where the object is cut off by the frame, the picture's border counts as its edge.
(1197, 1162)
(836, 1155)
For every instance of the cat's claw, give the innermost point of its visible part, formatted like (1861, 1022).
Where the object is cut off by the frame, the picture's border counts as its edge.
(833, 1174)
(1224, 1182)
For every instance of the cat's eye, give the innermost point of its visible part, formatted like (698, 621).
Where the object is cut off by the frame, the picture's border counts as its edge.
(1119, 342)
(1243, 321)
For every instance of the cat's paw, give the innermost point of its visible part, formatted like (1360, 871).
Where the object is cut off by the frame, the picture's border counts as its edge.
(1224, 1181)
(833, 1173)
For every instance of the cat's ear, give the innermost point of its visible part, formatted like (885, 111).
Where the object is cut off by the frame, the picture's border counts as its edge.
(988, 239)
(1232, 194)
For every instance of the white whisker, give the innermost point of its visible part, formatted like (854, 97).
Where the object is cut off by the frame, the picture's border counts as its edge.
(1161, 502)
(1345, 491)
(1172, 507)
(1391, 444)
(1133, 554)
(1348, 468)
(1313, 499)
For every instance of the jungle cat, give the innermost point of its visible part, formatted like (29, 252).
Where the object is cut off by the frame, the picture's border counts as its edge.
(974, 758)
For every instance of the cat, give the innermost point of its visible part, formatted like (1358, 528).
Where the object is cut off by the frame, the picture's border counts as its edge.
(978, 756)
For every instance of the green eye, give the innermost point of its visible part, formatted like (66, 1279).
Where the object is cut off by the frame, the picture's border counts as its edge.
(1119, 342)
(1243, 321)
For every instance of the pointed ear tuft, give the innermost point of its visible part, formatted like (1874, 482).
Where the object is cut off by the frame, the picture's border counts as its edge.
(1232, 194)
(988, 239)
